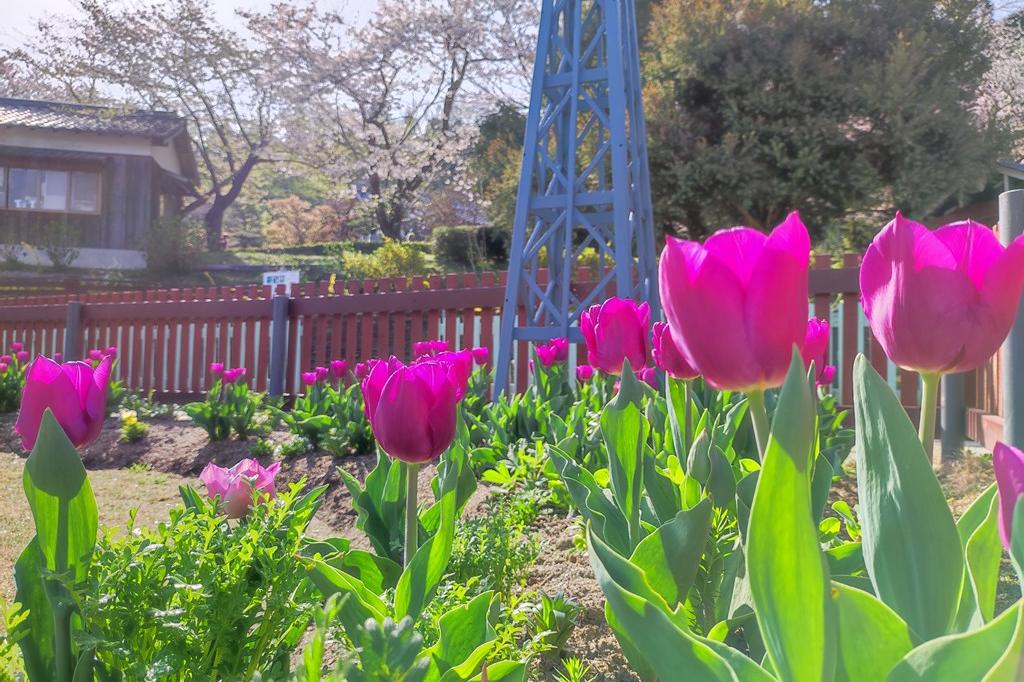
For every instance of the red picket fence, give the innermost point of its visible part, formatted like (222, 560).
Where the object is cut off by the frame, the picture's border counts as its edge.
(168, 338)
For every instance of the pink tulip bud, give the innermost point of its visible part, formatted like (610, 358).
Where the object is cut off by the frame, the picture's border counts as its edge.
(584, 373)
(95, 355)
(23, 356)
(615, 331)
(75, 392)
(648, 376)
(338, 368)
(376, 375)
(6, 359)
(58, 357)
(940, 300)
(667, 355)
(111, 351)
(233, 375)
(216, 368)
(309, 378)
(16, 346)
(1008, 463)
(553, 352)
(3, 367)
(321, 373)
(737, 304)
(816, 349)
(422, 348)
(238, 486)
(412, 408)
(481, 355)
(361, 370)
(460, 367)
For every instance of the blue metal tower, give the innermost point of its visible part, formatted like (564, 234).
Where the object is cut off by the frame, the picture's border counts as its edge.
(584, 179)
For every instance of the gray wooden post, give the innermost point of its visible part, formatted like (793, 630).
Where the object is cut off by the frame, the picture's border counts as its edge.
(278, 343)
(953, 415)
(1011, 225)
(72, 331)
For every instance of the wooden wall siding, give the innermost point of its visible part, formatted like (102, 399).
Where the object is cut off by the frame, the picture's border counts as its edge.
(168, 338)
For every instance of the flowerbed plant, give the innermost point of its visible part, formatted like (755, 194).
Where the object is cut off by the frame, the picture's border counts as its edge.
(230, 406)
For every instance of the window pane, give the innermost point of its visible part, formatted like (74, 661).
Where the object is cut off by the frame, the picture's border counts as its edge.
(3, 187)
(24, 192)
(85, 192)
(55, 190)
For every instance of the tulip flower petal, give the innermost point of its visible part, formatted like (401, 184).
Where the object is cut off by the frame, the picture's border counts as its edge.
(401, 422)
(739, 248)
(48, 385)
(1008, 463)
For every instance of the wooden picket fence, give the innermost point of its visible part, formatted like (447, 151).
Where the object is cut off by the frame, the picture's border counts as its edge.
(168, 338)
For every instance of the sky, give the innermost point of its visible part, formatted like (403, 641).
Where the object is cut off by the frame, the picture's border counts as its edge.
(17, 18)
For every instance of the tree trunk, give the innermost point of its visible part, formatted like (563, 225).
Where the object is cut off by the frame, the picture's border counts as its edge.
(221, 203)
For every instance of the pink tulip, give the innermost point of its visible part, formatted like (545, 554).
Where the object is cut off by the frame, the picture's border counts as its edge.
(3, 368)
(615, 331)
(338, 368)
(233, 375)
(308, 378)
(96, 355)
(216, 368)
(58, 357)
(546, 354)
(16, 346)
(413, 414)
(236, 487)
(1008, 463)
(111, 351)
(6, 359)
(377, 374)
(460, 367)
(738, 303)
(940, 301)
(648, 376)
(361, 370)
(421, 348)
(22, 356)
(816, 349)
(667, 355)
(75, 392)
(584, 373)
(481, 355)
(321, 373)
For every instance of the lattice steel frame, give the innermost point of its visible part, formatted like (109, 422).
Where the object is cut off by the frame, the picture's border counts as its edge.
(584, 174)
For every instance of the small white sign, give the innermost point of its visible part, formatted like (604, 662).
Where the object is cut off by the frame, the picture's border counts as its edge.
(287, 277)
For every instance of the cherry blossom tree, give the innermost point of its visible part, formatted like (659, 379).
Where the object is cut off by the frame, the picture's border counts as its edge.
(388, 107)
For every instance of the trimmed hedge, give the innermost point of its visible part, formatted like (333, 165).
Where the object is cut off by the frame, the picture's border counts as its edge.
(470, 245)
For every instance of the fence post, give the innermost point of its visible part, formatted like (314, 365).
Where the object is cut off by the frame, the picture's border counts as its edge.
(953, 415)
(72, 331)
(278, 343)
(1011, 225)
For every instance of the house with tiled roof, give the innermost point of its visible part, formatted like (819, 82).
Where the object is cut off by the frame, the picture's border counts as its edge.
(97, 177)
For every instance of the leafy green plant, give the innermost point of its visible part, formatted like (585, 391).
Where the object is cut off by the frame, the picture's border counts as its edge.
(552, 621)
(263, 448)
(495, 549)
(12, 381)
(132, 429)
(230, 406)
(202, 592)
(11, 618)
(574, 670)
(392, 259)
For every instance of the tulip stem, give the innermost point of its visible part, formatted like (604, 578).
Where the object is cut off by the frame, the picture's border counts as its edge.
(929, 402)
(411, 520)
(759, 417)
(687, 418)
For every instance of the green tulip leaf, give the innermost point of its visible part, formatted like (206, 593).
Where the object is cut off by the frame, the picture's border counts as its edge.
(63, 506)
(428, 565)
(872, 638)
(983, 551)
(461, 632)
(670, 556)
(605, 518)
(788, 575)
(34, 634)
(967, 656)
(625, 431)
(911, 548)
(502, 671)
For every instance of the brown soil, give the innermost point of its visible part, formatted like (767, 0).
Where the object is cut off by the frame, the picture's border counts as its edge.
(559, 569)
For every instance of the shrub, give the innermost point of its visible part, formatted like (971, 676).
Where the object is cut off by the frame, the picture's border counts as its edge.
(458, 246)
(170, 243)
(393, 259)
(296, 222)
(59, 243)
(199, 593)
(132, 430)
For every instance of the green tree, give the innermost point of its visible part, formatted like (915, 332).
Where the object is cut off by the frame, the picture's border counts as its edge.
(843, 109)
(496, 161)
